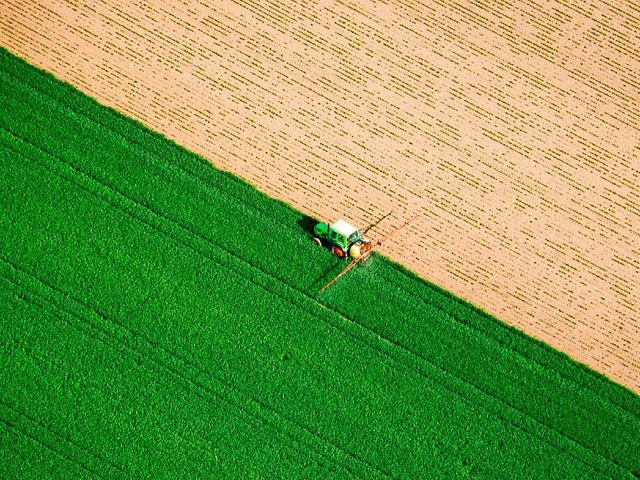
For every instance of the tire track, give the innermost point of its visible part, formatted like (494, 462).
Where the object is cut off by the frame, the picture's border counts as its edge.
(390, 349)
(496, 341)
(21, 423)
(256, 415)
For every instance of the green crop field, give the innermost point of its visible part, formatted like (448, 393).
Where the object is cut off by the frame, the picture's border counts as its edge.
(160, 319)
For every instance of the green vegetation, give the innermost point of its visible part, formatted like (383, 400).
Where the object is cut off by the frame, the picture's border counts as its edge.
(161, 319)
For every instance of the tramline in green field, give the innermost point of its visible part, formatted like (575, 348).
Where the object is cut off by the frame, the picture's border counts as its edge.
(136, 343)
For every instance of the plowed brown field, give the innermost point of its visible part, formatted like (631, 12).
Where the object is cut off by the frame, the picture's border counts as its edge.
(510, 128)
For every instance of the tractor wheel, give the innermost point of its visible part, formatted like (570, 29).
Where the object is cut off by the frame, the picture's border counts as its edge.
(317, 241)
(338, 251)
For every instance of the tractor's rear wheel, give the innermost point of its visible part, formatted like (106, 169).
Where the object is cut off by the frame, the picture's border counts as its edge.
(317, 241)
(338, 251)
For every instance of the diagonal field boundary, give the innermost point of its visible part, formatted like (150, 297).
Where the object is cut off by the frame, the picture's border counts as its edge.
(511, 127)
(187, 238)
(173, 168)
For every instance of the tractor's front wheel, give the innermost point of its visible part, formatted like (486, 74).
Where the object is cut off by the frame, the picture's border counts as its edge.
(338, 251)
(317, 241)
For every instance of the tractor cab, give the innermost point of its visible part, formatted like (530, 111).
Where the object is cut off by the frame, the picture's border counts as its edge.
(343, 234)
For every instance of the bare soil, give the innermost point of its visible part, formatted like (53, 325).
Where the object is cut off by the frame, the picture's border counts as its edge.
(510, 128)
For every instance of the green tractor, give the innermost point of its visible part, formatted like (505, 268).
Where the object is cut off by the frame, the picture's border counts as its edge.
(344, 239)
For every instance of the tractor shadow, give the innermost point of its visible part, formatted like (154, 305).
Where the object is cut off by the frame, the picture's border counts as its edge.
(306, 224)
